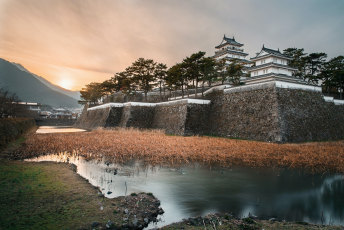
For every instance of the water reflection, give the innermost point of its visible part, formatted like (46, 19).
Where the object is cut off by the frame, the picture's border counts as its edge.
(58, 129)
(192, 191)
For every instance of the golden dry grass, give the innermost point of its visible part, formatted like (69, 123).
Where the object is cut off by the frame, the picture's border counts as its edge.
(154, 147)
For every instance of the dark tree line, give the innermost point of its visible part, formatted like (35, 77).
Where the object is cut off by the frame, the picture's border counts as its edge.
(315, 68)
(143, 75)
(9, 105)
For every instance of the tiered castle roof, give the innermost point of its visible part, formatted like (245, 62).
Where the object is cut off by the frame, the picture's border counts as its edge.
(266, 52)
(228, 41)
(231, 50)
(270, 65)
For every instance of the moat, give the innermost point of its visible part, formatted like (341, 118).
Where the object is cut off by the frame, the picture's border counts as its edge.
(284, 194)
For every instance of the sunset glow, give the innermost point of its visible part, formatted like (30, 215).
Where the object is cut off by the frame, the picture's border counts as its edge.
(66, 83)
(91, 40)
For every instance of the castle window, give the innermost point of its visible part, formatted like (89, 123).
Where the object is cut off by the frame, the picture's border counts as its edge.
(275, 60)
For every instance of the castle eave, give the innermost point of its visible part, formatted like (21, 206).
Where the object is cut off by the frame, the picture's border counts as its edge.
(271, 55)
(271, 64)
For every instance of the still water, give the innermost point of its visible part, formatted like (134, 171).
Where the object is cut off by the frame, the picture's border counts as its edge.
(192, 191)
(58, 129)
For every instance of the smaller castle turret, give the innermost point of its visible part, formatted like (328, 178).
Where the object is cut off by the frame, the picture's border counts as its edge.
(271, 62)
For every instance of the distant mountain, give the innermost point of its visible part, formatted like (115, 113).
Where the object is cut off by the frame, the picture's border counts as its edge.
(32, 88)
(73, 94)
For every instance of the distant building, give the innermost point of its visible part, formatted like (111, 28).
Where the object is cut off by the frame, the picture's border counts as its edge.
(35, 107)
(45, 114)
(230, 50)
(61, 113)
(27, 109)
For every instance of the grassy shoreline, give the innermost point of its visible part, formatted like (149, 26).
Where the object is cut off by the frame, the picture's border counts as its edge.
(156, 148)
(48, 195)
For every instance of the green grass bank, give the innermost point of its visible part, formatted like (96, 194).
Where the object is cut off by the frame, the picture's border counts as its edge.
(13, 128)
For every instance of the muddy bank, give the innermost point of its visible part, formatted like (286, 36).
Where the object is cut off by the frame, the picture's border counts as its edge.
(138, 210)
(227, 221)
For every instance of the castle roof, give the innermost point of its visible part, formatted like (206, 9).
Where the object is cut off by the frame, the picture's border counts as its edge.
(271, 64)
(240, 60)
(230, 41)
(270, 52)
(226, 51)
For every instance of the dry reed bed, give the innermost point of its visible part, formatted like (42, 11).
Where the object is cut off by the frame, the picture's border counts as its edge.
(154, 147)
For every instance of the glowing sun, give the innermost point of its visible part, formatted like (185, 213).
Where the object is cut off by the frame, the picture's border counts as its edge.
(66, 83)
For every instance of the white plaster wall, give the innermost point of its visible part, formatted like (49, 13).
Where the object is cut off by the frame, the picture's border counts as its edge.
(285, 71)
(272, 70)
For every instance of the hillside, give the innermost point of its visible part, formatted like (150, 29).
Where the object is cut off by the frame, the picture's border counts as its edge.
(73, 94)
(32, 88)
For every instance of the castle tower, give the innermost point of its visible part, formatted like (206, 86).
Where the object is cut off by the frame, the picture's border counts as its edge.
(270, 64)
(230, 50)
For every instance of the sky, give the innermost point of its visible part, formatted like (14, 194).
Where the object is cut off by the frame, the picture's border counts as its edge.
(74, 42)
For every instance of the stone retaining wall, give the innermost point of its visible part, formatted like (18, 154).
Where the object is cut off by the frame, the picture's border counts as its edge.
(197, 119)
(267, 111)
(305, 116)
(171, 118)
(137, 116)
(114, 117)
(184, 117)
(247, 114)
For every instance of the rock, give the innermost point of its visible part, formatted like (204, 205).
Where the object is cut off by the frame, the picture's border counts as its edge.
(74, 167)
(109, 224)
(161, 211)
(193, 222)
(101, 208)
(134, 222)
(95, 224)
(272, 219)
(138, 210)
(109, 192)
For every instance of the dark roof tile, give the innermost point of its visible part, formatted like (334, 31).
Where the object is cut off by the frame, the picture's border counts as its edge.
(229, 41)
